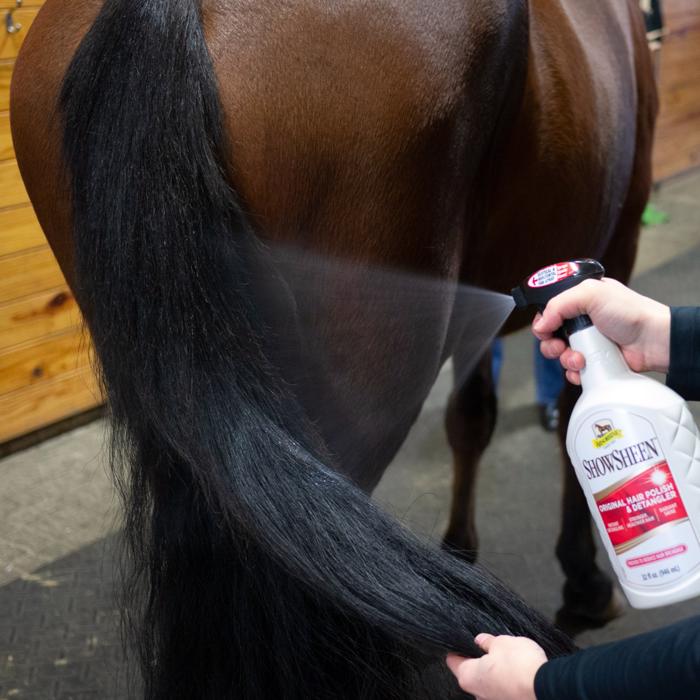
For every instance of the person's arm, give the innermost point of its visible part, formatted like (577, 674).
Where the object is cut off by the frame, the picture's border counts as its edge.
(659, 665)
(684, 366)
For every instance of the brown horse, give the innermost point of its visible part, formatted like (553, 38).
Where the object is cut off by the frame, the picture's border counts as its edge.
(465, 141)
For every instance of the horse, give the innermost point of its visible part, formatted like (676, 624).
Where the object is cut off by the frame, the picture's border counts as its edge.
(169, 147)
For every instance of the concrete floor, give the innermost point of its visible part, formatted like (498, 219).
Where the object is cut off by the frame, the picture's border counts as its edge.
(58, 636)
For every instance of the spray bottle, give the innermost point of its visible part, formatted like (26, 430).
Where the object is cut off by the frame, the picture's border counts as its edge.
(636, 451)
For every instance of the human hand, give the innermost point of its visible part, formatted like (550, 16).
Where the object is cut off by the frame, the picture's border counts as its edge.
(639, 325)
(506, 672)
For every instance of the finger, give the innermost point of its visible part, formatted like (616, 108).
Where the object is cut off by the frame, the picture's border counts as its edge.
(571, 359)
(569, 304)
(573, 377)
(535, 322)
(537, 326)
(552, 348)
(484, 641)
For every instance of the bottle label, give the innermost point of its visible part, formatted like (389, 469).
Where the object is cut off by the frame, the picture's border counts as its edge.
(639, 504)
(552, 274)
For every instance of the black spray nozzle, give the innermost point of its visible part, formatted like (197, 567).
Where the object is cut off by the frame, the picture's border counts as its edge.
(546, 283)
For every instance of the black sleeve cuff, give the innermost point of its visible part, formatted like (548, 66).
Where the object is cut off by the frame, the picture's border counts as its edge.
(684, 364)
(664, 664)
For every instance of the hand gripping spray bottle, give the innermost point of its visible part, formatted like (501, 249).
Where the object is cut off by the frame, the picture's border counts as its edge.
(636, 452)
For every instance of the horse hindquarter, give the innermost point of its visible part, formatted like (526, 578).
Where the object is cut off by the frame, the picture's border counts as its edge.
(246, 546)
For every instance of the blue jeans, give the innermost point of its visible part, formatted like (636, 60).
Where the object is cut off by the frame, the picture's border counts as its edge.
(496, 361)
(549, 375)
(549, 378)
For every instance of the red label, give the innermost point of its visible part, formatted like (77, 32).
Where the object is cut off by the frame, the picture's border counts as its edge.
(633, 509)
(552, 273)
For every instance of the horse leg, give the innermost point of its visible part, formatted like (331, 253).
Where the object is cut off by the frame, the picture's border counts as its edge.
(590, 599)
(470, 421)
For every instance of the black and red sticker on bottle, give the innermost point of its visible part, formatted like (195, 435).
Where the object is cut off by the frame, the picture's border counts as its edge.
(552, 274)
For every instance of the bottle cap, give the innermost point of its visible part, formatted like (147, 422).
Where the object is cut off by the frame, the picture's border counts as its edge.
(546, 283)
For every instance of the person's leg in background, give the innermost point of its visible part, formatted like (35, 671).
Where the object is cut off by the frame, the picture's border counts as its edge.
(496, 360)
(549, 381)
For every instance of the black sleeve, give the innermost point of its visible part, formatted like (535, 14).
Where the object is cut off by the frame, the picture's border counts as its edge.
(684, 364)
(659, 665)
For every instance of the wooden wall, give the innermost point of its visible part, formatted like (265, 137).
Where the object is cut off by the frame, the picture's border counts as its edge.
(678, 133)
(44, 366)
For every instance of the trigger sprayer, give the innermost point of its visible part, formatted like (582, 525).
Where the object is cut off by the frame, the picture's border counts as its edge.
(636, 451)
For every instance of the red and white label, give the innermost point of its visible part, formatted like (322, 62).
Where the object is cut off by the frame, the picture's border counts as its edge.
(552, 274)
(638, 506)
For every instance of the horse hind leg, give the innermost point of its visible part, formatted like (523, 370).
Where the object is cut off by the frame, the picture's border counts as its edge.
(590, 597)
(470, 421)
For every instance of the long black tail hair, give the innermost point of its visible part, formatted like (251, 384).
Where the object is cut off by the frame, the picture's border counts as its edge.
(264, 573)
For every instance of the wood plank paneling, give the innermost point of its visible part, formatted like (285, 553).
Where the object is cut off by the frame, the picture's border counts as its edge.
(19, 230)
(680, 13)
(37, 406)
(42, 360)
(36, 316)
(12, 190)
(12, 4)
(5, 78)
(10, 43)
(44, 372)
(677, 146)
(28, 273)
(6, 149)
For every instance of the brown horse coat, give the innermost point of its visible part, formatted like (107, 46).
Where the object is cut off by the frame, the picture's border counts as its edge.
(469, 141)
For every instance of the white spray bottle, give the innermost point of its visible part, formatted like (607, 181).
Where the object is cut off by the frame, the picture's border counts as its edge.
(636, 451)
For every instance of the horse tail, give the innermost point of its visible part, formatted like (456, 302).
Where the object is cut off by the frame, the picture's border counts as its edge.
(256, 570)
